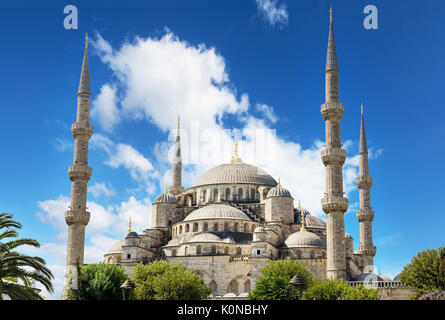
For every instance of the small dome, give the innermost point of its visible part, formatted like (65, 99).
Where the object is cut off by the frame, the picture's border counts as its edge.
(365, 277)
(259, 229)
(303, 239)
(217, 211)
(132, 234)
(165, 197)
(278, 191)
(205, 237)
(117, 247)
(309, 220)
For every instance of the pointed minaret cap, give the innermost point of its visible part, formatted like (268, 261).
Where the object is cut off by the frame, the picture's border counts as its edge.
(331, 57)
(84, 84)
(236, 158)
(303, 227)
(363, 148)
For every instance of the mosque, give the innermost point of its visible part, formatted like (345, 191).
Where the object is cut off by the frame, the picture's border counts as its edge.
(236, 217)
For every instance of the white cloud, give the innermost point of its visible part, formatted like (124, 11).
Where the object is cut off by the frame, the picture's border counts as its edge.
(99, 189)
(267, 111)
(62, 144)
(105, 108)
(273, 12)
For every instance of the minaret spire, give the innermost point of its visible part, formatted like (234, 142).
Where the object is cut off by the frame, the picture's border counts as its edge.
(176, 187)
(365, 215)
(77, 217)
(236, 158)
(334, 203)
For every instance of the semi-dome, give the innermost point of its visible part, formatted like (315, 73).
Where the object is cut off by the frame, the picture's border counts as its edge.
(231, 173)
(205, 237)
(368, 276)
(117, 247)
(217, 211)
(303, 239)
(310, 220)
(278, 191)
(165, 197)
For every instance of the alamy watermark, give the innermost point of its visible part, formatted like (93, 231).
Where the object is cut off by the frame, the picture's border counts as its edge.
(371, 20)
(71, 20)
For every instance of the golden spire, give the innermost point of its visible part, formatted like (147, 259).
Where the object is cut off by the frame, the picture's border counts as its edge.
(86, 40)
(235, 158)
(279, 183)
(303, 227)
(179, 121)
(362, 108)
(129, 225)
(166, 189)
(330, 14)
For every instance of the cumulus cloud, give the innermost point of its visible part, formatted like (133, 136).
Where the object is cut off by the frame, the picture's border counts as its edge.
(99, 189)
(275, 13)
(105, 107)
(267, 111)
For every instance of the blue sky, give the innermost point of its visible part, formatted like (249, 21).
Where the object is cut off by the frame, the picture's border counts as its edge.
(253, 72)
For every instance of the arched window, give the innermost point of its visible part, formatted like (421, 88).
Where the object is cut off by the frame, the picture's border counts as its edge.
(213, 250)
(247, 286)
(246, 227)
(312, 254)
(186, 250)
(187, 228)
(253, 228)
(213, 286)
(204, 195)
(252, 194)
(226, 251)
(195, 227)
(238, 251)
(206, 226)
(180, 229)
(215, 226)
(226, 226)
(240, 194)
(235, 227)
(228, 194)
(198, 249)
(233, 287)
(215, 195)
(174, 253)
(298, 254)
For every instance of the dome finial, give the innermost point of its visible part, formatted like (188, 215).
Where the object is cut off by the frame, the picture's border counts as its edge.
(179, 121)
(279, 182)
(303, 227)
(129, 225)
(86, 40)
(330, 14)
(362, 108)
(166, 189)
(235, 158)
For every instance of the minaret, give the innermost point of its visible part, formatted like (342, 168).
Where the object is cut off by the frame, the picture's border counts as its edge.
(177, 187)
(334, 204)
(79, 172)
(365, 215)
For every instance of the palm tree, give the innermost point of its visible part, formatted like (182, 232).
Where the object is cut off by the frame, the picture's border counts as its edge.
(16, 266)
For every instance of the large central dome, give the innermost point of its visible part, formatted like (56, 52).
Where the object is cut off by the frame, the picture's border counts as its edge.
(235, 173)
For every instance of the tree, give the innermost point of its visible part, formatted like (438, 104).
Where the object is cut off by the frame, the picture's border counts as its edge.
(15, 266)
(338, 290)
(273, 282)
(425, 272)
(159, 280)
(98, 282)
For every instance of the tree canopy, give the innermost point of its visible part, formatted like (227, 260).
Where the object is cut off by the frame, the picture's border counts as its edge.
(425, 272)
(159, 280)
(273, 282)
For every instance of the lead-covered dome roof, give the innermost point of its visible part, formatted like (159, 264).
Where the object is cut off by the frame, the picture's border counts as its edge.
(278, 191)
(166, 197)
(217, 211)
(303, 239)
(117, 247)
(205, 237)
(231, 173)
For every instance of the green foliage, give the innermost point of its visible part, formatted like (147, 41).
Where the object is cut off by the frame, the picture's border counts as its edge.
(338, 290)
(425, 272)
(98, 282)
(16, 266)
(273, 282)
(159, 280)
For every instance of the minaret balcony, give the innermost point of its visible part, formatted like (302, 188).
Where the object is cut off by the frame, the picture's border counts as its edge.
(332, 110)
(367, 251)
(365, 215)
(80, 131)
(77, 217)
(333, 156)
(79, 172)
(364, 182)
(334, 204)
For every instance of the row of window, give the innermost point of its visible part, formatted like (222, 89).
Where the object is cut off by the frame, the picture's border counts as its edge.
(205, 227)
(212, 250)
